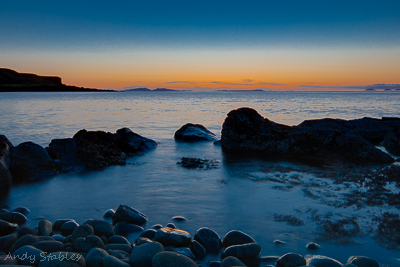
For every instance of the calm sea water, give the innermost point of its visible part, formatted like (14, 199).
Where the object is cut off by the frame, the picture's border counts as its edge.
(234, 196)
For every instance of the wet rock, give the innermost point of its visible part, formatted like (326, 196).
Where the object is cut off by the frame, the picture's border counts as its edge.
(127, 214)
(231, 261)
(172, 237)
(101, 228)
(119, 254)
(108, 214)
(13, 217)
(117, 239)
(214, 264)
(172, 259)
(58, 238)
(111, 261)
(361, 261)
(132, 143)
(28, 240)
(95, 257)
(184, 251)
(198, 250)
(5, 175)
(7, 241)
(322, 261)
(85, 244)
(312, 246)
(7, 228)
(143, 255)
(140, 241)
(63, 259)
(392, 141)
(236, 237)
(28, 255)
(209, 239)
(125, 229)
(68, 228)
(179, 218)
(291, 260)
(23, 210)
(45, 227)
(156, 226)
(194, 132)
(122, 247)
(171, 225)
(57, 224)
(279, 242)
(246, 130)
(49, 246)
(64, 151)
(98, 149)
(84, 230)
(149, 233)
(243, 252)
(30, 161)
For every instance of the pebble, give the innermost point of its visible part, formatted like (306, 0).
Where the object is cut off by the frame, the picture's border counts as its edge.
(101, 228)
(322, 261)
(173, 237)
(23, 210)
(179, 218)
(198, 250)
(361, 261)
(83, 230)
(214, 264)
(13, 217)
(143, 255)
(312, 246)
(150, 234)
(231, 261)
(26, 230)
(45, 227)
(172, 259)
(57, 224)
(109, 213)
(122, 255)
(236, 237)
(68, 228)
(117, 239)
(184, 251)
(85, 244)
(49, 246)
(128, 214)
(291, 260)
(157, 226)
(171, 225)
(58, 238)
(140, 241)
(209, 239)
(244, 251)
(95, 257)
(111, 261)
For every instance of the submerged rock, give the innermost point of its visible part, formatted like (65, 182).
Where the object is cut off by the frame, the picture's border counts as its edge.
(131, 143)
(245, 129)
(322, 261)
(194, 132)
(30, 161)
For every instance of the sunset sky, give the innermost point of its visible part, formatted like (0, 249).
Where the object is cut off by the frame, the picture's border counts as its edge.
(206, 45)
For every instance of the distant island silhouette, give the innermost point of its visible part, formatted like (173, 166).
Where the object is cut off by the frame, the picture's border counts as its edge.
(13, 81)
(154, 90)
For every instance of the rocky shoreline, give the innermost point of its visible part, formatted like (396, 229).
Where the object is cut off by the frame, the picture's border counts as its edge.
(104, 242)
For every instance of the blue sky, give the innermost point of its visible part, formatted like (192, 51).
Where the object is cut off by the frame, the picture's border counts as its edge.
(66, 29)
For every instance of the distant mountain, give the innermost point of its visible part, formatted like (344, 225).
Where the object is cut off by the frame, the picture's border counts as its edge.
(137, 89)
(163, 90)
(255, 90)
(147, 89)
(12, 81)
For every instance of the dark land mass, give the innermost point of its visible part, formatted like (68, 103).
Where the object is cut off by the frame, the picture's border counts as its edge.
(12, 81)
(137, 89)
(154, 90)
(255, 90)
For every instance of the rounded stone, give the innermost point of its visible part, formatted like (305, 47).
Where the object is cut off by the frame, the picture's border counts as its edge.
(140, 241)
(209, 239)
(68, 228)
(101, 228)
(128, 214)
(125, 229)
(83, 230)
(291, 260)
(28, 255)
(150, 234)
(312, 246)
(26, 230)
(49, 246)
(179, 218)
(362, 261)
(236, 237)
(111, 261)
(171, 225)
(28, 240)
(119, 254)
(117, 239)
(231, 261)
(172, 237)
(57, 224)
(7, 228)
(322, 261)
(244, 251)
(142, 256)
(58, 238)
(122, 247)
(8, 241)
(63, 259)
(214, 264)
(45, 227)
(108, 214)
(198, 250)
(13, 217)
(83, 244)
(172, 259)
(156, 226)
(23, 210)
(95, 257)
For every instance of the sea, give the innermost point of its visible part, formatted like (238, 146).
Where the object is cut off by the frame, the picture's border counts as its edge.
(253, 195)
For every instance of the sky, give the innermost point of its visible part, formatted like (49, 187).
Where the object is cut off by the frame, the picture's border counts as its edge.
(206, 45)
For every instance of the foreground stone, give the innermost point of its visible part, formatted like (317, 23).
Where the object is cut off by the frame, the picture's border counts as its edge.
(172, 259)
(209, 239)
(173, 237)
(246, 130)
(194, 132)
(322, 261)
(142, 256)
(291, 260)
(30, 161)
(128, 214)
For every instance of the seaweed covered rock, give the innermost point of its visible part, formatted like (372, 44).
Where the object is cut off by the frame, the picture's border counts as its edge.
(245, 129)
(98, 149)
(131, 143)
(64, 152)
(30, 161)
(194, 132)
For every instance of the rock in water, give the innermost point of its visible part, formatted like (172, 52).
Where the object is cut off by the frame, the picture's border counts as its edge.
(392, 141)
(127, 214)
(45, 227)
(361, 261)
(131, 143)
(5, 175)
(172, 259)
(172, 237)
(209, 239)
(246, 130)
(291, 260)
(236, 237)
(143, 255)
(30, 161)
(65, 152)
(194, 132)
(243, 252)
(322, 261)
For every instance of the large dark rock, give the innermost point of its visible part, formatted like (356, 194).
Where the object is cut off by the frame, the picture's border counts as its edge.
(132, 143)
(5, 175)
(64, 152)
(128, 214)
(392, 141)
(246, 130)
(194, 132)
(30, 161)
(98, 149)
